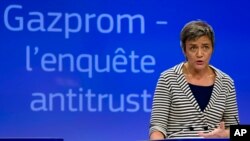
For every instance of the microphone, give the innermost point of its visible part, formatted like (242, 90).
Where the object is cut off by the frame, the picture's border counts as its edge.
(238, 123)
(239, 132)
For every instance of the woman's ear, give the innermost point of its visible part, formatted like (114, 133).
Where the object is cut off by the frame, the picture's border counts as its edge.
(184, 53)
(183, 50)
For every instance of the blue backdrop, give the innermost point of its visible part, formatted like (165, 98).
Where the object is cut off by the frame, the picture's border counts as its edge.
(87, 70)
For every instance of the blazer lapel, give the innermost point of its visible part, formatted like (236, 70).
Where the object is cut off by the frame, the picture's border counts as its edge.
(216, 90)
(183, 84)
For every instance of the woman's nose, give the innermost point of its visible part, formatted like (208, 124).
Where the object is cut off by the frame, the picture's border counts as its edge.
(199, 52)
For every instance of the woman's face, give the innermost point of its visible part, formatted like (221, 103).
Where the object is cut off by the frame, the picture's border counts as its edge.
(198, 52)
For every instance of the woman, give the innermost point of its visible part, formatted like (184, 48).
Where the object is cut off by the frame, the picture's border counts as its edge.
(193, 98)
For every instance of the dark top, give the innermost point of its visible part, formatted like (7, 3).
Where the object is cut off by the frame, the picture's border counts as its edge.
(202, 94)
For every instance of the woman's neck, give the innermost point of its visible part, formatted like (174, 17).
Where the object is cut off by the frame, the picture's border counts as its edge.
(206, 72)
(199, 77)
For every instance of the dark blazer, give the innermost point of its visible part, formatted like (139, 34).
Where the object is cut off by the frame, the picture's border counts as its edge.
(176, 113)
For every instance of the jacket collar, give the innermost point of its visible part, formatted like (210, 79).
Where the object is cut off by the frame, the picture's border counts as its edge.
(178, 70)
(186, 90)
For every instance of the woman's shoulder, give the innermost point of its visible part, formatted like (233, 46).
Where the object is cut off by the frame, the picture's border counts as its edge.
(177, 69)
(221, 74)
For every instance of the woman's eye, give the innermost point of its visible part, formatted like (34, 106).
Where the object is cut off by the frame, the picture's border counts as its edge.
(193, 48)
(206, 47)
